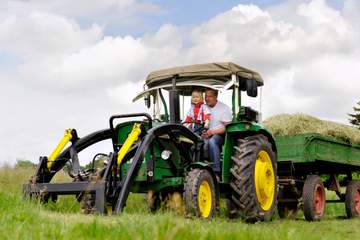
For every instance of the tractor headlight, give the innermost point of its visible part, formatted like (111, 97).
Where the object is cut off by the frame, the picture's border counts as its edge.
(166, 154)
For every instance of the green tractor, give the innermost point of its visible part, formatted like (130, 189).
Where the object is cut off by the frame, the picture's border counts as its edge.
(159, 156)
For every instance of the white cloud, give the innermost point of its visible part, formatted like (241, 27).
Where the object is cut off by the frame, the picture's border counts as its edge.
(38, 35)
(114, 16)
(304, 62)
(351, 13)
(108, 62)
(85, 9)
(256, 39)
(325, 87)
(76, 76)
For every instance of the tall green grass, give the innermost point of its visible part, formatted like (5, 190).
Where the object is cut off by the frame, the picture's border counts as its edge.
(21, 219)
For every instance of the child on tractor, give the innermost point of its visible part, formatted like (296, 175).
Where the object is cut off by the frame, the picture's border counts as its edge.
(199, 113)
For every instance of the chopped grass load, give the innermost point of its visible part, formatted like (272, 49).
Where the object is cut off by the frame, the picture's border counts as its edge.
(293, 124)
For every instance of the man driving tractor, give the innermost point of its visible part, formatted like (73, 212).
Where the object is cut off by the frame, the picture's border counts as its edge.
(214, 136)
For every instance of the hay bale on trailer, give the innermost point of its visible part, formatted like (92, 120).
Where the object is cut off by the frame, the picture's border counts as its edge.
(295, 124)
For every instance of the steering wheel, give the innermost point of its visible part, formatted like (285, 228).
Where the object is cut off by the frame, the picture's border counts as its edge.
(199, 129)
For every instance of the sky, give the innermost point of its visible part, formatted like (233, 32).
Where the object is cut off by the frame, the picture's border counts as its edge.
(73, 64)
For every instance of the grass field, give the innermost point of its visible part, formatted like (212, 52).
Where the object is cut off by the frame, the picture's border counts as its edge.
(20, 219)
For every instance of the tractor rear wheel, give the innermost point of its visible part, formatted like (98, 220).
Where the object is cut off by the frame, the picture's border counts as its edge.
(352, 199)
(313, 198)
(254, 182)
(199, 194)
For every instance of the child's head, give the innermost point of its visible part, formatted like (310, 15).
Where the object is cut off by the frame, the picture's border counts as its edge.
(197, 96)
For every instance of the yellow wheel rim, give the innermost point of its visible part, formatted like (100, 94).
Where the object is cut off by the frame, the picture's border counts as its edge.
(264, 180)
(204, 199)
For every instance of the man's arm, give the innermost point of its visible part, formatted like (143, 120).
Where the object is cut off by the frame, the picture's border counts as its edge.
(226, 119)
(209, 133)
(220, 130)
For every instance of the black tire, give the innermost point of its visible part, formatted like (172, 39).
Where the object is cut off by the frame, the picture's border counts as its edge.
(352, 199)
(243, 194)
(314, 198)
(195, 179)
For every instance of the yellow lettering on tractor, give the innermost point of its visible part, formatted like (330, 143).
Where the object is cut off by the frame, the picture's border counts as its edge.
(67, 137)
(131, 139)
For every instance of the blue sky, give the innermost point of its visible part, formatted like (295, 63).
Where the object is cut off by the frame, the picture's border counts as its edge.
(187, 14)
(7, 60)
(192, 13)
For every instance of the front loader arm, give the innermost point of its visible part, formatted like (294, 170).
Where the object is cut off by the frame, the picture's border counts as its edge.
(69, 135)
(131, 139)
(43, 175)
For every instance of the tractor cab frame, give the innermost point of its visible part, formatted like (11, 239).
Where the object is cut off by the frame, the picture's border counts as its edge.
(182, 80)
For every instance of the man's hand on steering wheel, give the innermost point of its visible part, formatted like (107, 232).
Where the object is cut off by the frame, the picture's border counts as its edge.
(206, 134)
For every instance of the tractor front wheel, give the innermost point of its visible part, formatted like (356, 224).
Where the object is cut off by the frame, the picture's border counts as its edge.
(199, 194)
(254, 182)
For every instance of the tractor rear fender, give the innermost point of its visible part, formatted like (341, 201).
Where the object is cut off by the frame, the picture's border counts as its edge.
(244, 129)
(204, 165)
(240, 130)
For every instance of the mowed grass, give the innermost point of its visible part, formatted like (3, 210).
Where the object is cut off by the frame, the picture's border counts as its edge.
(21, 219)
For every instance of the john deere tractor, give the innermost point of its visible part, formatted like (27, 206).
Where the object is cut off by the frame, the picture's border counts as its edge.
(159, 156)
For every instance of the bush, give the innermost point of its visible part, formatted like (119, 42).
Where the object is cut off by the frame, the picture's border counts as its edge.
(24, 164)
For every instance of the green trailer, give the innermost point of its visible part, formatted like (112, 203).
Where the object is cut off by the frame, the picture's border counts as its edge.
(309, 163)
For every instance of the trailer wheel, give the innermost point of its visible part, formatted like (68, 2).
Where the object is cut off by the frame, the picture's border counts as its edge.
(352, 199)
(314, 199)
(199, 194)
(254, 182)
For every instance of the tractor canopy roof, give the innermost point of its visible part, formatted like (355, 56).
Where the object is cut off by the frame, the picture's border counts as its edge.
(209, 75)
